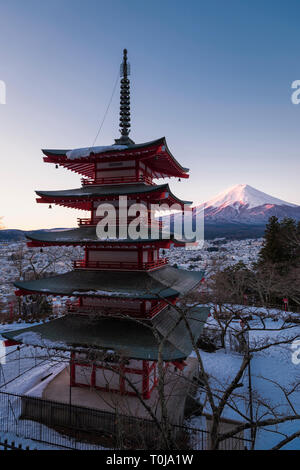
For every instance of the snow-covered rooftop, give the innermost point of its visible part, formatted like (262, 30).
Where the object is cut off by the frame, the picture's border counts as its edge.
(86, 151)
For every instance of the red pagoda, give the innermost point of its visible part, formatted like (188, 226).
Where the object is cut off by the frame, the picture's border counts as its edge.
(122, 285)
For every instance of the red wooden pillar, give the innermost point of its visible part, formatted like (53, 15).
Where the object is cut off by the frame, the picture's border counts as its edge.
(140, 258)
(11, 311)
(146, 389)
(122, 379)
(93, 376)
(72, 370)
(92, 213)
(137, 170)
(149, 214)
(95, 171)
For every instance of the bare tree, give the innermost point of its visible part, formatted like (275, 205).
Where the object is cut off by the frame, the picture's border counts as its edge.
(240, 322)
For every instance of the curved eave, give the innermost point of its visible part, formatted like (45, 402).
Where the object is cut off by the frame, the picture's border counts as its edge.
(104, 191)
(166, 282)
(156, 152)
(76, 333)
(184, 170)
(23, 289)
(121, 337)
(63, 153)
(79, 236)
(84, 195)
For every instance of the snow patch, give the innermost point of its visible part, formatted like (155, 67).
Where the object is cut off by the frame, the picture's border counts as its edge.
(38, 390)
(86, 151)
(102, 292)
(35, 339)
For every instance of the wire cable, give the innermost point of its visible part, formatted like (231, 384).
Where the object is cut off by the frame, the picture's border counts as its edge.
(107, 109)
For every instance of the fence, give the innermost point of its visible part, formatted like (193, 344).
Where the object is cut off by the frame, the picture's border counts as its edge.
(12, 446)
(81, 428)
(18, 361)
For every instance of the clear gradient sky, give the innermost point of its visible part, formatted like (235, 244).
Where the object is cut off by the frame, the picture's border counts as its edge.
(212, 76)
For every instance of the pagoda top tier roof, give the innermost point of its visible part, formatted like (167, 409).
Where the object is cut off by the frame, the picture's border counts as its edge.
(156, 192)
(166, 282)
(87, 234)
(155, 154)
(122, 337)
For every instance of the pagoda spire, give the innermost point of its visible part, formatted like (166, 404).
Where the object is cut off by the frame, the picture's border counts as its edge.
(124, 102)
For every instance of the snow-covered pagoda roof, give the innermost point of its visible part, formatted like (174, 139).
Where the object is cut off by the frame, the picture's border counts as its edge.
(157, 193)
(166, 282)
(87, 235)
(121, 337)
(155, 154)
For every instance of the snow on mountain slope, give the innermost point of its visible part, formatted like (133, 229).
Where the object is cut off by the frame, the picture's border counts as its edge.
(243, 204)
(244, 195)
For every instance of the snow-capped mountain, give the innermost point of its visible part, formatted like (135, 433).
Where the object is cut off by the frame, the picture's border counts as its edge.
(245, 204)
(245, 195)
(241, 212)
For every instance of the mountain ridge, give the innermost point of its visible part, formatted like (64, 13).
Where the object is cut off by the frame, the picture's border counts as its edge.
(245, 195)
(244, 204)
(242, 211)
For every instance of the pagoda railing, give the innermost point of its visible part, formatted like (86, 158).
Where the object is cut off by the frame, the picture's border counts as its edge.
(157, 308)
(122, 265)
(117, 180)
(116, 310)
(87, 221)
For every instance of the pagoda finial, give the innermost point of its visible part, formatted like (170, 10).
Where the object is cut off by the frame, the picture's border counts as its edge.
(124, 102)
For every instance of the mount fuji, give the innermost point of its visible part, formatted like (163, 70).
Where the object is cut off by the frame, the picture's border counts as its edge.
(242, 212)
(244, 204)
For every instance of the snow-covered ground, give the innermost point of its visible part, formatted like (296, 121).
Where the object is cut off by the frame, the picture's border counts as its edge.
(269, 366)
(59, 260)
(31, 373)
(273, 372)
(18, 261)
(216, 252)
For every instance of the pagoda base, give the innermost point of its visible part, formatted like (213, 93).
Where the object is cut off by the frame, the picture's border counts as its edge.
(97, 410)
(142, 375)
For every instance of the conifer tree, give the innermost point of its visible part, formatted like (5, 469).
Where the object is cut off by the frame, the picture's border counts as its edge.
(272, 250)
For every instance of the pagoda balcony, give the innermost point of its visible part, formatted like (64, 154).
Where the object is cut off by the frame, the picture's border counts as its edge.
(120, 265)
(87, 221)
(76, 308)
(117, 180)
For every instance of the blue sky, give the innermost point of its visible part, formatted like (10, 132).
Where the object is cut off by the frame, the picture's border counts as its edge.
(214, 77)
